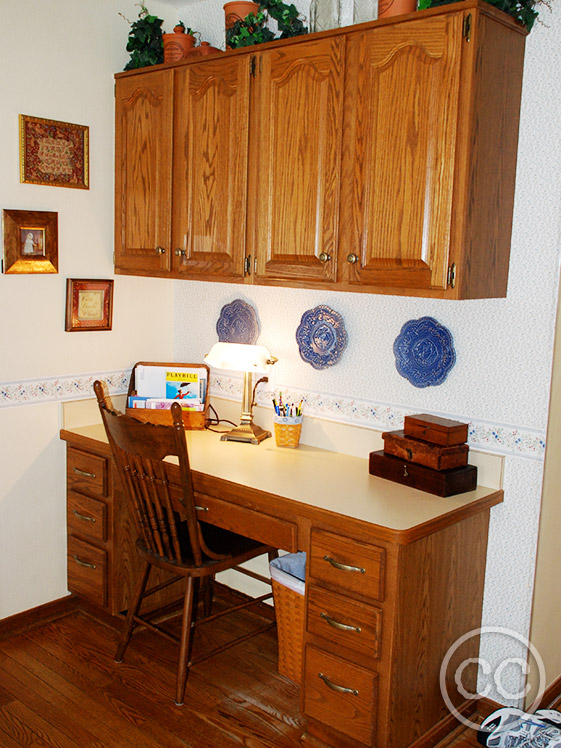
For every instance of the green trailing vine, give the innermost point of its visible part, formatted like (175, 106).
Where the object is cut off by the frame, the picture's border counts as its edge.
(145, 42)
(524, 11)
(253, 28)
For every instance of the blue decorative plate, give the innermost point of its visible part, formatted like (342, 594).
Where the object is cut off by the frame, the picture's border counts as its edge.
(237, 323)
(321, 337)
(424, 352)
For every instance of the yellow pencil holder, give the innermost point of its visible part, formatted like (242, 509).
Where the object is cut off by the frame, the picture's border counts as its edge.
(287, 431)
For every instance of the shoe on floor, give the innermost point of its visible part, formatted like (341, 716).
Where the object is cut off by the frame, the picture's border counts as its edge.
(512, 728)
(550, 716)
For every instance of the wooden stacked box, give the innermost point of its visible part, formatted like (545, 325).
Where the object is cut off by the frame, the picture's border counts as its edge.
(430, 453)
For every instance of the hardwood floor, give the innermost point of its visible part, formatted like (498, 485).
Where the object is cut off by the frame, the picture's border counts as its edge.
(60, 687)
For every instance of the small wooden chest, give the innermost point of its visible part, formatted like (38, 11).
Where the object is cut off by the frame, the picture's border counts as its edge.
(424, 453)
(438, 482)
(435, 430)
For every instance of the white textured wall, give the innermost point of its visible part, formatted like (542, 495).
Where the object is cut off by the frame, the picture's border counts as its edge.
(62, 70)
(504, 346)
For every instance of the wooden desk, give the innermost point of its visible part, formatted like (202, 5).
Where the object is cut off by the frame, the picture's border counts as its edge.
(407, 569)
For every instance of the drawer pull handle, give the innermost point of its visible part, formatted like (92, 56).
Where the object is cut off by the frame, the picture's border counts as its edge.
(201, 508)
(83, 563)
(344, 567)
(338, 624)
(83, 473)
(335, 687)
(84, 516)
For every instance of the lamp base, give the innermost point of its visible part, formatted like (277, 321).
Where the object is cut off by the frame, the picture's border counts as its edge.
(250, 433)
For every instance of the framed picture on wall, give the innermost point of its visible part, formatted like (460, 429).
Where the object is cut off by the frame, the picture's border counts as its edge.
(30, 241)
(89, 304)
(54, 153)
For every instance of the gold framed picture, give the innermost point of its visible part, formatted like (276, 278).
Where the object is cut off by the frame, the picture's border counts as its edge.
(54, 153)
(89, 304)
(30, 241)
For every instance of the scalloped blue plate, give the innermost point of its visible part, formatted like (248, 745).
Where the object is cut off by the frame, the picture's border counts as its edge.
(237, 323)
(424, 352)
(321, 337)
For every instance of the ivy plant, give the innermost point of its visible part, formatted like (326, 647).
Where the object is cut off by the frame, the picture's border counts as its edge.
(253, 28)
(524, 11)
(145, 41)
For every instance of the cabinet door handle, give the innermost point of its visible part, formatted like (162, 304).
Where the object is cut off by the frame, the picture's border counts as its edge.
(352, 258)
(84, 516)
(338, 624)
(83, 563)
(324, 257)
(83, 473)
(160, 251)
(201, 508)
(180, 252)
(344, 567)
(335, 687)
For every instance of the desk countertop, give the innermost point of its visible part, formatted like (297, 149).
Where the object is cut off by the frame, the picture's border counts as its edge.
(324, 480)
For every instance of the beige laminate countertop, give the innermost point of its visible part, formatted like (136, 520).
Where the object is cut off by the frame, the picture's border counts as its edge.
(325, 480)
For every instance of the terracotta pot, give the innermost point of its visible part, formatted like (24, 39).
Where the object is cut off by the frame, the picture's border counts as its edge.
(203, 49)
(177, 45)
(238, 10)
(388, 8)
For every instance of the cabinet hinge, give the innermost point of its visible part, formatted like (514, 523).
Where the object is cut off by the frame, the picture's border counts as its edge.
(252, 66)
(247, 265)
(467, 27)
(451, 279)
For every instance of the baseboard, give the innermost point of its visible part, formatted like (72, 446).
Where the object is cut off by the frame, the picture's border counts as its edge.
(38, 616)
(550, 695)
(446, 726)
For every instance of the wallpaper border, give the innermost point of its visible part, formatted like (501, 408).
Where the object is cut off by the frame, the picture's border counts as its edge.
(501, 438)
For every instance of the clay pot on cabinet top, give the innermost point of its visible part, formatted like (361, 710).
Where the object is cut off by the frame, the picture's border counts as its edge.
(387, 8)
(177, 45)
(237, 10)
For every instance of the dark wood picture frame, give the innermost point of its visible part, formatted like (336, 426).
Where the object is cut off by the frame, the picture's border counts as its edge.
(89, 304)
(54, 153)
(30, 241)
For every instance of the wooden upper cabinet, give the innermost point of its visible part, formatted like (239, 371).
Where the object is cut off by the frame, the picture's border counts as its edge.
(429, 159)
(400, 146)
(210, 168)
(296, 131)
(143, 161)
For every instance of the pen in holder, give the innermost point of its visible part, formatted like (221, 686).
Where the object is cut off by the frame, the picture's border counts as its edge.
(287, 430)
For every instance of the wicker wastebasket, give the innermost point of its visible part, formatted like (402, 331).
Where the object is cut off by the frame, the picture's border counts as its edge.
(287, 576)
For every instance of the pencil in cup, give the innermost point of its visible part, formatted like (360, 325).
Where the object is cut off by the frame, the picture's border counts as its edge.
(287, 430)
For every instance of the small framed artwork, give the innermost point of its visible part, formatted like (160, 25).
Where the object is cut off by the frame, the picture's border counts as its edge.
(53, 153)
(30, 241)
(89, 304)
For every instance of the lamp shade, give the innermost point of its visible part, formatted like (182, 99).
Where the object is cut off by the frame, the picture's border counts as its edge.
(239, 357)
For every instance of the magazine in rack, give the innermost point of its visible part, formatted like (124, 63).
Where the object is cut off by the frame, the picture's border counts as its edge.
(155, 386)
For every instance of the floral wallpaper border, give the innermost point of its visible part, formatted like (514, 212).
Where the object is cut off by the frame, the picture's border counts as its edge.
(501, 438)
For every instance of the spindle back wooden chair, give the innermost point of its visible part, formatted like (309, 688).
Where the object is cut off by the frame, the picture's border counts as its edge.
(169, 533)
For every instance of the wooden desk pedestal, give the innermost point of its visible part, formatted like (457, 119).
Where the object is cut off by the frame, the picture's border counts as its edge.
(394, 576)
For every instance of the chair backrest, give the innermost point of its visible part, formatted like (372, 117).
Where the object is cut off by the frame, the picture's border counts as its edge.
(139, 450)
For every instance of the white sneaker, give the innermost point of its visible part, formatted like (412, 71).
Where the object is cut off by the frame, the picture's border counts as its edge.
(512, 728)
(550, 716)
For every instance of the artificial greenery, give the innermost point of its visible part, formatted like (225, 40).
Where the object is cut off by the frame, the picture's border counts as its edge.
(253, 28)
(145, 41)
(524, 11)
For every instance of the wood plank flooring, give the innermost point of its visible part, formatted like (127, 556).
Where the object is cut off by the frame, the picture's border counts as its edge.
(60, 687)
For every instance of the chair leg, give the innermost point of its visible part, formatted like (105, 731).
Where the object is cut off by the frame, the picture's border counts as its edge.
(134, 607)
(207, 588)
(184, 651)
(272, 555)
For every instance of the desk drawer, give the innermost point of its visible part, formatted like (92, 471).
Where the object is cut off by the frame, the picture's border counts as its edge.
(270, 530)
(86, 516)
(344, 622)
(340, 694)
(86, 472)
(87, 570)
(349, 564)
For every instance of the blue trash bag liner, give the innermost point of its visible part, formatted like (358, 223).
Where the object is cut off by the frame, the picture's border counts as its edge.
(290, 570)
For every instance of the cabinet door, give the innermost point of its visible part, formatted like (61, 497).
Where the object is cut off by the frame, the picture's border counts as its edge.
(401, 111)
(143, 151)
(296, 129)
(210, 170)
